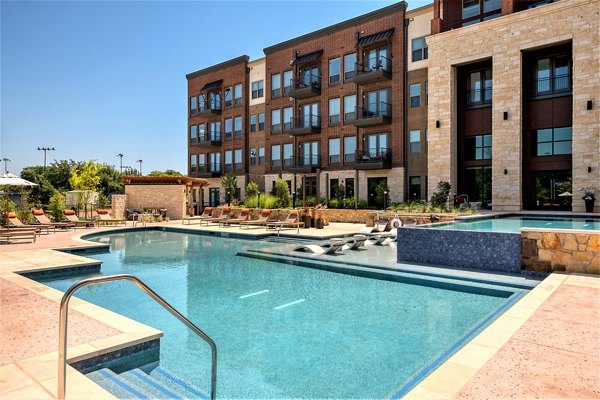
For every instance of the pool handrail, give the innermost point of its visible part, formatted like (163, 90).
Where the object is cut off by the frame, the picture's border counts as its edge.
(63, 317)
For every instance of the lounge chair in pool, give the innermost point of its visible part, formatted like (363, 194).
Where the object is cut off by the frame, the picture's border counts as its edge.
(244, 215)
(206, 214)
(18, 233)
(15, 222)
(106, 219)
(354, 243)
(329, 249)
(226, 214)
(73, 218)
(291, 221)
(44, 220)
(262, 220)
(379, 226)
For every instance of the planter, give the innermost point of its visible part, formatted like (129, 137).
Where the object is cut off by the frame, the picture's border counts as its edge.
(589, 204)
(307, 219)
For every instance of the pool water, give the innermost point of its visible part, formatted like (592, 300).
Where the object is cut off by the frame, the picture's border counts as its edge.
(282, 331)
(513, 224)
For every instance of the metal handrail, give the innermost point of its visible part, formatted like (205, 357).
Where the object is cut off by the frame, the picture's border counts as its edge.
(63, 317)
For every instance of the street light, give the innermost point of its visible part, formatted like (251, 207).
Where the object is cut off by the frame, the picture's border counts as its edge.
(385, 193)
(294, 199)
(121, 157)
(6, 160)
(45, 150)
(258, 204)
(228, 198)
(140, 161)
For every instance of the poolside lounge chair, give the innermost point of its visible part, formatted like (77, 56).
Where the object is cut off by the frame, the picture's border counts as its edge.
(329, 249)
(353, 243)
(291, 221)
(244, 215)
(73, 218)
(262, 220)
(226, 214)
(379, 226)
(206, 214)
(43, 219)
(105, 218)
(16, 223)
(18, 233)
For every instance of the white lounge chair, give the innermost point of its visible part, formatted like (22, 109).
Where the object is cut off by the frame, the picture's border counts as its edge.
(326, 249)
(380, 226)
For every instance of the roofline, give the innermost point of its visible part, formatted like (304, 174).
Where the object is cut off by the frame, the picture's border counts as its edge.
(216, 67)
(420, 10)
(382, 12)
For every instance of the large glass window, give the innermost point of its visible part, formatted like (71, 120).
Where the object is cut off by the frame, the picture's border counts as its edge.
(257, 89)
(275, 121)
(349, 149)
(237, 95)
(287, 118)
(287, 82)
(193, 134)
(310, 76)
(253, 123)
(276, 155)
(237, 127)
(415, 95)
(201, 103)
(287, 154)
(377, 144)
(215, 162)
(350, 107)
(193, 163)
(228, 160)
(334, 111)
(237, 160)
(553, 75)
(491, 5)
(334, 151)
(349, 188)
(261, 122)
(310, 115)
(479, 87)
(228, 94)
(478, 183)
(349, 65)
(376, 59)
(334, 71)
(214, 99)
(415, 141)
(378, 103)
(193, 105)
(228, 128)
(201, 133)
(261, 156)
(553, 141)
(419, 49)
(201, 163)
(215, 131)
(414, 188)
(470, 8)
(275, 85)
(253, 156)
(478, 147)
(310, 153)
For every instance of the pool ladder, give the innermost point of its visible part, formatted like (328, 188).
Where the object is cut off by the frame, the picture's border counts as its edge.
(63, 317)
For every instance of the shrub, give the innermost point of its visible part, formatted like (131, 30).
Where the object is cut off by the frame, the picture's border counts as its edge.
(251, 201)
(334, 203)
(311, 201)
(281, 191)
(349, 202)
(363, 204)
(251, 190)
(381, 196)
(23, 208)
(440, 196)
(56, 206)
(269, 201)
(6, 206)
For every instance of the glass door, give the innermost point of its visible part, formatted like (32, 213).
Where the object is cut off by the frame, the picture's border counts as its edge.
(553, 190)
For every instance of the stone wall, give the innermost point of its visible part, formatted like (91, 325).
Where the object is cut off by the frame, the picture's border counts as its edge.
(118, 205)
(571, 251)
(171, 197)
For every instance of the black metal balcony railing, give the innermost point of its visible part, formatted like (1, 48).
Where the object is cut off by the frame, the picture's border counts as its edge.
(213, 140)
(552, 85)
(373, 158)
(214, 136)
(208, 105)
(307, 163)
(479, 97)
(305, 125)
(209, 170)
(372, 64)
(376, 109)
(307, 85)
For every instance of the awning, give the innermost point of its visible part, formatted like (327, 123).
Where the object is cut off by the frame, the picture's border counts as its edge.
(374, 38)
(315, 55)
(212, 85)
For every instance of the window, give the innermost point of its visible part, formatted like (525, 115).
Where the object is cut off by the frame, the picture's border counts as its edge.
(253, 123)
(377, 145)
(237, 127)
(419, 49)
(310, 115)
(310, 153)
(201, 133)
(334, 151)
(415, 95)
(552, 141)
(215, 162)
(237, 95)
(553, 75)
(350, 107)
(261, 156)
(257, 89)
(261, 122)
(378, 103)
(253, 156)
(287, 154)
(376, 59)
(275, 121)
(287, 118)
(334, 111)
(193, 134)
(201, 103)
(310, 76)
(415, 141)
(193, 105)
(287, 82)
(276, 155)
(414, 188)
(193, 163)
(214, 99)
(333, 187)
(470, 8)
(479, 88)
(491, 5)
(215, 131)
(201, 163)
(478, 183)
(349, 65)
(228, 102)
(334, 71)
(478, 147)
(275, 85)
(228, 128)
(426, 92)
(228, 160)
(237, 160)
(349, 149)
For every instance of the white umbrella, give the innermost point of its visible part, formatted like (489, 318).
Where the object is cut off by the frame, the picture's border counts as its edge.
(9, 179)
(565, 194)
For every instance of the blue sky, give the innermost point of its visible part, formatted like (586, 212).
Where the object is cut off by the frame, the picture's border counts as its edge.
(94, 79)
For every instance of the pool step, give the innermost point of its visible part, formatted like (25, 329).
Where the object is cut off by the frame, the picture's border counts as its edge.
(137, 384)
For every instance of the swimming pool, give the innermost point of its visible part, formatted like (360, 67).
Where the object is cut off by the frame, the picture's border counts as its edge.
(514, 223)
(283, 330)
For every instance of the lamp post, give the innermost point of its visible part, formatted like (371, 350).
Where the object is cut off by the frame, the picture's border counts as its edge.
(140, 161)
(228, 198)
(45, 150)
(294, 199)
(258, 203)
(6, 161)
(385, 193)
(120, 155)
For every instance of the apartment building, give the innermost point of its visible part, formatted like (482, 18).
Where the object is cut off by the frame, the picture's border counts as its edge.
(514, 119)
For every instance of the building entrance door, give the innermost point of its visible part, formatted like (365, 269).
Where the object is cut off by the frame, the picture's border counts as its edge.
(548, 188)
(372, 184)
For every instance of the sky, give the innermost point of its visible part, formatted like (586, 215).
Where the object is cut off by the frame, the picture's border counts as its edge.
(96, 78)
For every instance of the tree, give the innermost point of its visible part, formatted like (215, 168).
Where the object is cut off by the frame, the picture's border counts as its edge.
(56, 205)
(281, 190)
(440, 196)
(110, 180)
(382, 194)
(85, 180)
(229, 183)
(169, 172)
(251, 189)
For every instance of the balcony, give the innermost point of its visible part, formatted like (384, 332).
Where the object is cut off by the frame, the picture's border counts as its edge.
(209, 171)
(305, 125)
(302, 164)
(373, 159)
(308, 85)
(213, 140)
(372, 70)
(374, 114)
(208, 109)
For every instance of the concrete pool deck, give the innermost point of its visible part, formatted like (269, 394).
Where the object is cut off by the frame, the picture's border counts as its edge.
(545, 346)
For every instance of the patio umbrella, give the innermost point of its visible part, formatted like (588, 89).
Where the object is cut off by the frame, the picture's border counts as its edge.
(565, 194)
(9, 179)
